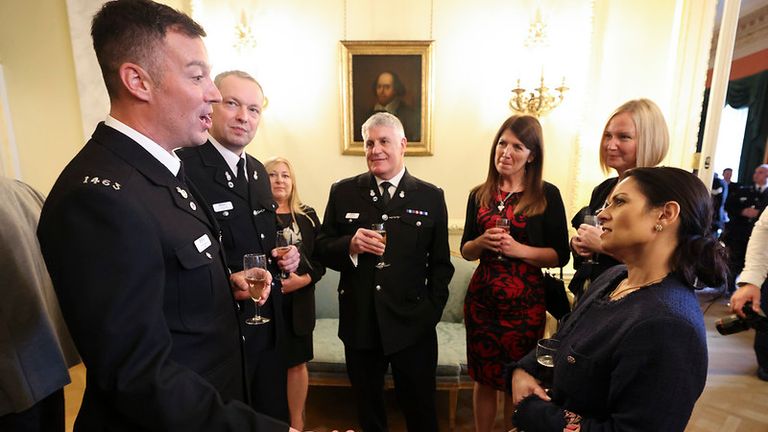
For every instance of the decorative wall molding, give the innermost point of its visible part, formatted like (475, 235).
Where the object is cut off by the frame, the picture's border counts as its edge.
(751, 35)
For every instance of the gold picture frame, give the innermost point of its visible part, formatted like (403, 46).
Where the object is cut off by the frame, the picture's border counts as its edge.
(407, 67)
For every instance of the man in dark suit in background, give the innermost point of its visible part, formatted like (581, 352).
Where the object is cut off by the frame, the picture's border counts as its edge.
(132, 250)
(237, 187)
(391, 295)
(745, 203)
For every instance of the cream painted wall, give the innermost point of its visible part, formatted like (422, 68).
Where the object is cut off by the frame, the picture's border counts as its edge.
(37, 62)
(624, 50)
(615, 51)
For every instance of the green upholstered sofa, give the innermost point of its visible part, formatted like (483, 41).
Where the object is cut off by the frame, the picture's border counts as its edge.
(328, 367)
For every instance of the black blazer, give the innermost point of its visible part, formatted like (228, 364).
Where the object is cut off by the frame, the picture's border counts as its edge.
(137, 266)
(301, 302)
(399, 304)
(248, 225)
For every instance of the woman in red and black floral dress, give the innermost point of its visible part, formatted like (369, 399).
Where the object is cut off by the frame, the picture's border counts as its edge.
(504, 309)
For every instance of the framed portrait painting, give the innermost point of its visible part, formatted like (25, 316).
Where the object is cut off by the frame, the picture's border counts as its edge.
(391, 76)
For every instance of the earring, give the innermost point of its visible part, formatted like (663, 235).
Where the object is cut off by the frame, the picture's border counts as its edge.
(658, 228)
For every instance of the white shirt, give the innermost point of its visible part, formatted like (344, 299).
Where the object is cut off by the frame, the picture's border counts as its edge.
(756, 262)
(169, 159)
(394, 181)
(229, 156)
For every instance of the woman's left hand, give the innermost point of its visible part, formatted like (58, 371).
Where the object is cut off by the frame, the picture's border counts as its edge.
(510, 247)
(524, 385)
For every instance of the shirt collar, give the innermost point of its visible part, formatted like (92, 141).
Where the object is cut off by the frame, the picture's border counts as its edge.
(168, 159)
(395, 181)
(230, 157)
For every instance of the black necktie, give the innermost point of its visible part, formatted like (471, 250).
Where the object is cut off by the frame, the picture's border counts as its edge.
(385, 192)
(240, 182)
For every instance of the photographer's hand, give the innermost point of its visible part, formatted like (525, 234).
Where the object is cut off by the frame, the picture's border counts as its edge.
(746, 293)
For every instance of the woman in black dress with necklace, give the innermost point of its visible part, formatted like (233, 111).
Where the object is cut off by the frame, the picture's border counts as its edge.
(504, 309)
(298, 287)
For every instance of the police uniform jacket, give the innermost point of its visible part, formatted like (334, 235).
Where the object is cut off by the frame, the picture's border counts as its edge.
(137, 266)
(248, 225)
(396, 306)
(742, 197)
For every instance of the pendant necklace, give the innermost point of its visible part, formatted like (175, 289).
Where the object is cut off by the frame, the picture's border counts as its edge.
(503, 203)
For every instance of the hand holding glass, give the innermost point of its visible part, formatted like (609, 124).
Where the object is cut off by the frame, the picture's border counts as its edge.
(546, 349)
(502, 223)
(591, 220)
(255, 268)
(283, 245)
(379, 228)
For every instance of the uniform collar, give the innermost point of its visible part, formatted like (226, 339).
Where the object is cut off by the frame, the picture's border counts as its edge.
(169, 160)
(230, 157)
(394, 181)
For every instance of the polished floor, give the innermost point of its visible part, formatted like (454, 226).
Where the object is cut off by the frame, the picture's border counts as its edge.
(734, 400)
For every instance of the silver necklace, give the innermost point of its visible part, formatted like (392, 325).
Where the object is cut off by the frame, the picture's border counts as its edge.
(503, 203)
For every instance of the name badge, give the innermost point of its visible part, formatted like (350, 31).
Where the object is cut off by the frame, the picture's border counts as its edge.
(202, 243)
(223, 206)
(352, 216)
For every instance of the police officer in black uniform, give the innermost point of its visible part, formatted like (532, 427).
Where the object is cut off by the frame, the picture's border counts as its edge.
(132, 250)
(391, 296)
(744, 205)
(237, 187)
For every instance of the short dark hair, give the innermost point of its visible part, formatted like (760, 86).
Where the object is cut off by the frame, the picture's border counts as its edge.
(699, 255)
(396, 83)
(133, 31)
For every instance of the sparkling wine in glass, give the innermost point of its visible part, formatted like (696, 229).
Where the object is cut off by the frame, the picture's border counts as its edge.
(255, 268)
(546, 349)
(283, 245)
(591, 220)
(379, 228)
(502, 223)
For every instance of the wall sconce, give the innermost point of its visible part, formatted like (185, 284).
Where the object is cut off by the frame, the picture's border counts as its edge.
(244, 36)
(540, 100)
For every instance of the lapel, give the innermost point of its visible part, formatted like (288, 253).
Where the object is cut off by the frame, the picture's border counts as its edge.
(406, 190)
(261, 201)
(223, 175)
(154, 171)
(368, 190)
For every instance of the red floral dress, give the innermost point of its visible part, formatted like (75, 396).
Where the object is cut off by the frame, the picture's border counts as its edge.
(504, 310)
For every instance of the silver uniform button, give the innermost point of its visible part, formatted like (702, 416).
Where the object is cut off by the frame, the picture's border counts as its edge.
(418, 223)
(225, 213)
(384, 217)
(341, 292)
(261, 235)
(230, 184)
(426, 281)
(378, 287)
(193, 206)
(254, 213)
(243, 338)
(375, 199)
(208, 254)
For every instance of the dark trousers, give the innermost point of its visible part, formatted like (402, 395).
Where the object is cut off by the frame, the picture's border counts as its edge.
(736, 237)
(413, 371)
(45, 416)
(761, 338)
(268, 384)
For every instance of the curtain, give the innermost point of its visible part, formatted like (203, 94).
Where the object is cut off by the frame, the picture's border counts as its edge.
(751, 92)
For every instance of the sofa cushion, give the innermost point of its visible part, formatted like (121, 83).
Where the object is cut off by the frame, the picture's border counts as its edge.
(451, 350)
(454, 308)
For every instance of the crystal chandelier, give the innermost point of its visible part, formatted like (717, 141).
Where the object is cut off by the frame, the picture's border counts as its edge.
(540, 100)
(245, 38)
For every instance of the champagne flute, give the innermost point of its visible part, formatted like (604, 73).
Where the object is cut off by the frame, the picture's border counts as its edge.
(379, 228)
(546, 349)
(283, 245)
(502, 223)
(255, 267)
(594, 221)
